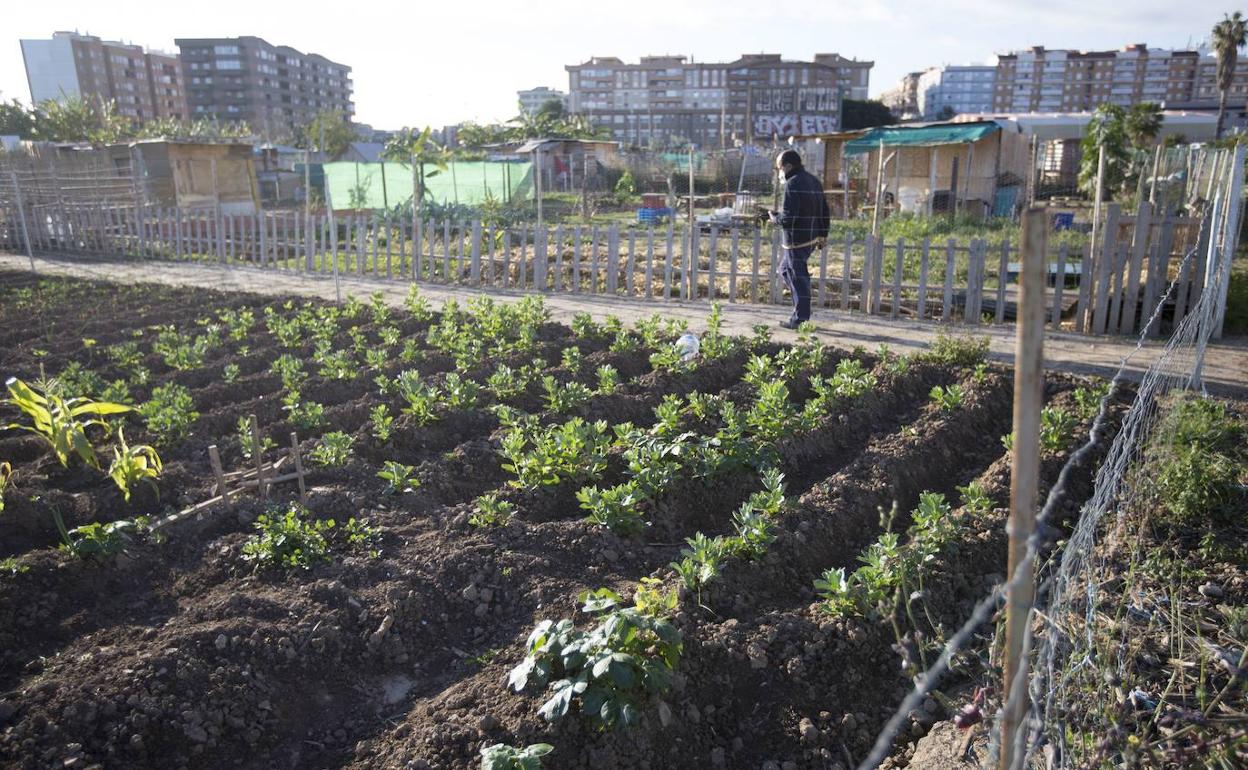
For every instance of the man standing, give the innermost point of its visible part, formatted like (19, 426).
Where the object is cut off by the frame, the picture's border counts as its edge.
(804, 218)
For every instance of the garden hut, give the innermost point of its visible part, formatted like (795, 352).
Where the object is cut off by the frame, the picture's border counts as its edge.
(977, 168)
(195, 174)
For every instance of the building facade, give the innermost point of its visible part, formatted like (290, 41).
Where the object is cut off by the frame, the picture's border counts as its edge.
(955, 90)
(902, 99)
(1044, 80)
(668, 100)
(275, 89)
(142, 85)
(532, 99)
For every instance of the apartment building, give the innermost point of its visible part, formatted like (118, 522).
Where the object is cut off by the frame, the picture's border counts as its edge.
(665, 100)
(902, 99)
(273, 88)
(956, 90)
(533, 99)
(143, 85)
(1044, 80)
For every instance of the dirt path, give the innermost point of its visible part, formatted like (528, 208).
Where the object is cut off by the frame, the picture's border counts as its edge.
(1226, 364)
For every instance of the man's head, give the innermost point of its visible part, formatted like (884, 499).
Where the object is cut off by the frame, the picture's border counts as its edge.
(788, 162)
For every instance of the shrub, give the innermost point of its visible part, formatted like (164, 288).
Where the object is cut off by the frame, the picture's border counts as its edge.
(1197, 485)
(968, 351)
(169, 413)
(610, 670)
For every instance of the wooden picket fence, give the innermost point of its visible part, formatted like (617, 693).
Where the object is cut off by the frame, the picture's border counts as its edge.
(1109, 289)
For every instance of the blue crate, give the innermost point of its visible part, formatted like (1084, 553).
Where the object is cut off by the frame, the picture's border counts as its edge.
(653, 216)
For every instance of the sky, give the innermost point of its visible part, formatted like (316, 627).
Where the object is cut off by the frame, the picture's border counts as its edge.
(438, 63)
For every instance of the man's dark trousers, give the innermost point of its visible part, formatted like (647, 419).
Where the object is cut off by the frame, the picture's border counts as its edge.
(797, 277)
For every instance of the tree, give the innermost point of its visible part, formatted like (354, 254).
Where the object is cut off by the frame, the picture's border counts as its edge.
(417, 147)
(1142, 124)
(1107, 129)
(16, 120)
(168, 128)
(338, 134)
(946, 113)
(476, 135)
(868, 113)
(1229, 35)
(74, 120)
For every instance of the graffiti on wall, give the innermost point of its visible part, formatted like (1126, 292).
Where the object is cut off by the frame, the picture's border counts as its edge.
(794, 111)
(789, 124)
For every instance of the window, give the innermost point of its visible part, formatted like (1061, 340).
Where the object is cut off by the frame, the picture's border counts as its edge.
(225, 49)
(228, 64)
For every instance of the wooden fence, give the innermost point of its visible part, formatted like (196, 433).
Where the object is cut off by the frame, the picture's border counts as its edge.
(1107, 290)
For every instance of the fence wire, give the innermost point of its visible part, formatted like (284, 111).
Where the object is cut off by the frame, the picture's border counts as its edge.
(1058, 653)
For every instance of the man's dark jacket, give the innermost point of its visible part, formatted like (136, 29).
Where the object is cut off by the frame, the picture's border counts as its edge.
(805, 215)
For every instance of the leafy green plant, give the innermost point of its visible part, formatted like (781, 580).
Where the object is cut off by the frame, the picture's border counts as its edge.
(616, 508)
(421, 397)
(608, 379)
(564, 397)
(132, 465)
(382, 422)
(701, 562)
(99, 540)
(230, 373)
(459, 392)
(11, 566)
(975, 499)
(334, 449)
(185, 351)
(543, 456)
(238, 322)
(949, 399)
(490, 511)
(6, 481)
(573, 359)
(169, 413)
(610, 671)
(288, 539)
(583, 326)
(77, 380)
(1088, 400)
(417, 305)
(360, 534)
(772, 414)
(117, 392)
(59, 421)
(305, 415)
(398, 477)
(833, 588)
(500, 756)
(290, 369)
(246, 443)
(1057, 428)
(1198, 485)
(338, 365)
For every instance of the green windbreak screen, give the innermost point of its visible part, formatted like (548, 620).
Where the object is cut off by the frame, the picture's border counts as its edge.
(385, 185)
(923, 136)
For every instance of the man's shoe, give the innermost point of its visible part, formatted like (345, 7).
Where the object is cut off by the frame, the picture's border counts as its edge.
(789, 325)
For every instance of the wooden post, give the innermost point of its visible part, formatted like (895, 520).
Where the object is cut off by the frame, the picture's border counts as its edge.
(923, 269)
(258, 455)
(1003, 274)
(475, 265)
(21, 215)
(898, 268)
(1104, 262)
(1059, 285)
(294, 453)
(879, 189)
(946, 310)
(215, 458)
(1024, 474)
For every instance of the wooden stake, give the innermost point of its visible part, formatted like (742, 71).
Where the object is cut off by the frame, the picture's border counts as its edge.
(215, 457)
(294, 452)
(258, 455)
(1024, 472)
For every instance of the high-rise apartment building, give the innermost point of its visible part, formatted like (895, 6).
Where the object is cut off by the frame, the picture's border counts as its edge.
(1044, 80)
(273, 88)
(142, 85)
(532, 100)
(665, 100)
(955, 90)
(902, 99)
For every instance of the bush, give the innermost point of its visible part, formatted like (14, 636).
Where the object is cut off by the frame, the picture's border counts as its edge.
(1197, 462)
(968, 351)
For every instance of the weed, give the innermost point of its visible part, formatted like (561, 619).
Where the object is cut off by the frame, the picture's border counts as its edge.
(398, 477)
(627, 658)
(949, 399)
(334, 449)
(360, 534)
(169, 413)
(133, 464)
(968, 351)
(287, 539)
(59, 420)
(10, 565)
(489, 511)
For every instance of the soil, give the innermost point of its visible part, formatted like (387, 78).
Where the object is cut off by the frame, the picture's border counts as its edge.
(181, 654)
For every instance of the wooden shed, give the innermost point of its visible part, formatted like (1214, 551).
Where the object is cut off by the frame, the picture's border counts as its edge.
(197, 175)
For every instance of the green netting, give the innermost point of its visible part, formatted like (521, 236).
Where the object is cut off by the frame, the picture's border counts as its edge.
(385, 185)
(920, 136)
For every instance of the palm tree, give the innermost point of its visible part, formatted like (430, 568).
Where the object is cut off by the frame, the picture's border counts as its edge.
(1143, 123)
(1229, 35)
